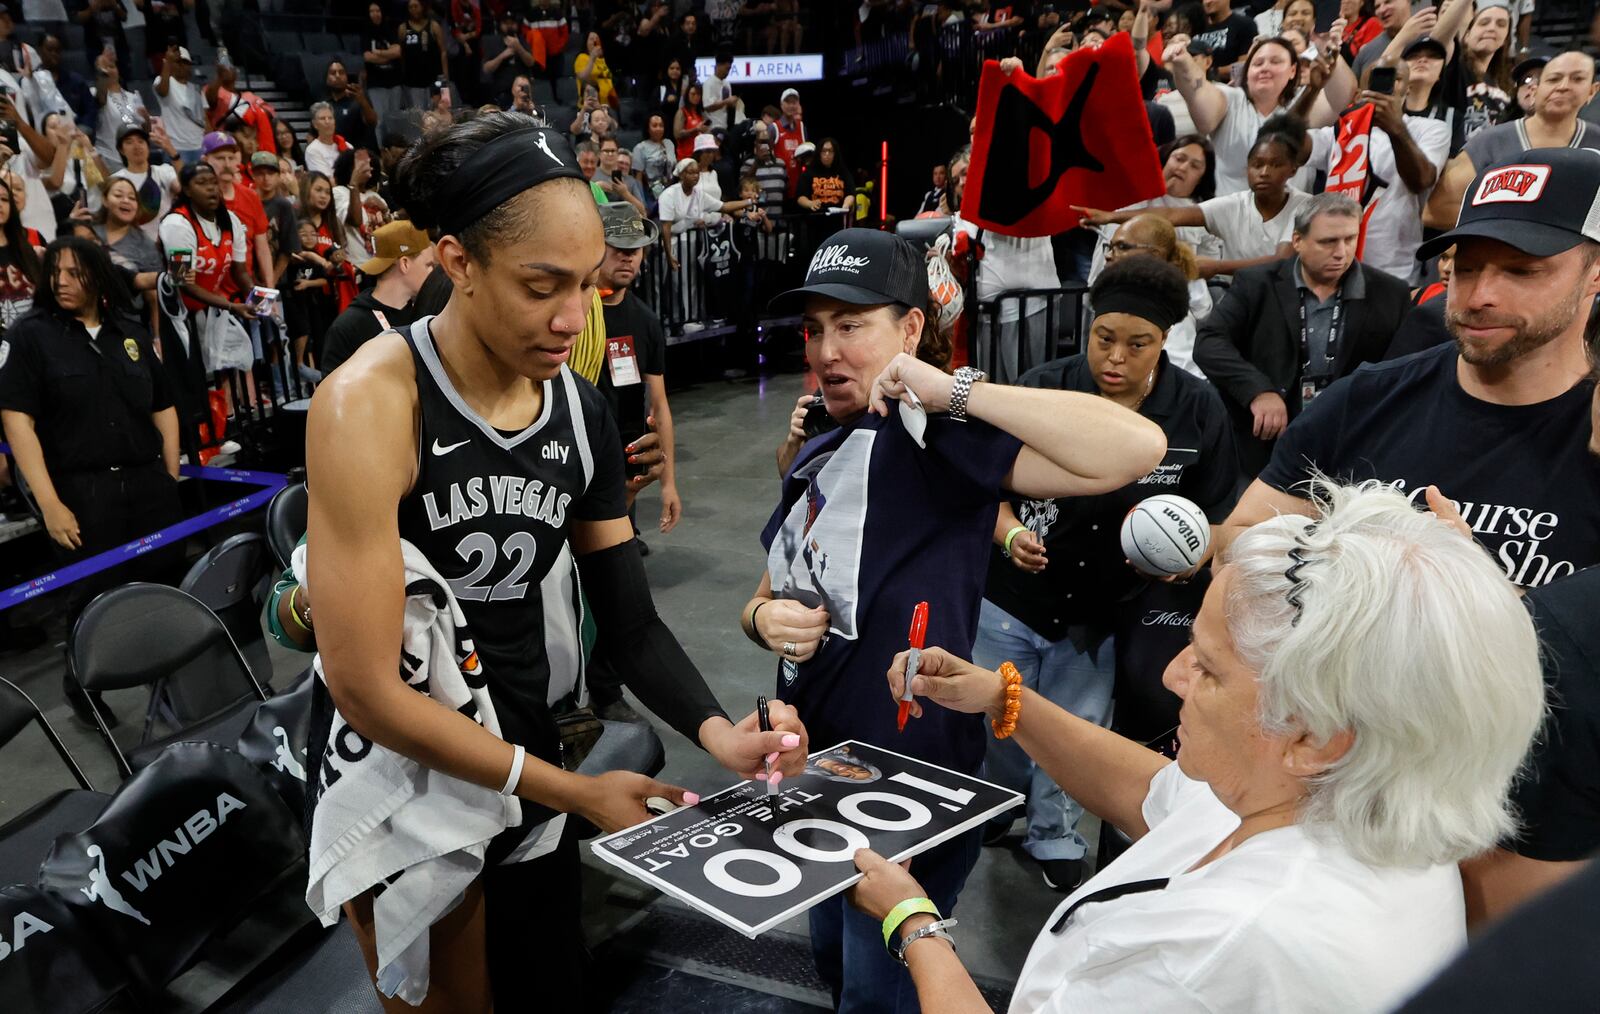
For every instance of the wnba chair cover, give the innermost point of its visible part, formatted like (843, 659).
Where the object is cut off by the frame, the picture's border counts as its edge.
(49, 964)
(277, 740)
(195, 844)
(25, 838)
(160, 637)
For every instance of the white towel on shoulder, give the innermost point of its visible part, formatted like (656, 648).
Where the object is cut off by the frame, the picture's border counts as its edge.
(386, 823)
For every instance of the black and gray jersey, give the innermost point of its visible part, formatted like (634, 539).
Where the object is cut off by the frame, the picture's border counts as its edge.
(491, 511)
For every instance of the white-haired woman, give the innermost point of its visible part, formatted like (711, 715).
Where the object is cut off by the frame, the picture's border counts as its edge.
(1359, 693)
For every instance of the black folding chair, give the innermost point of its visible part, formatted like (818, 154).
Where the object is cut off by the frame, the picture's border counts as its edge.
(150, 635)
(25, 838)
(232, 580)
(286, 521)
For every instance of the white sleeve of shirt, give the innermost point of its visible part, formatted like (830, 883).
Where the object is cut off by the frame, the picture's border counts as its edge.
(165, 176)
(241, 240)
(1170, 788)
(1323, 150)
(1222, 213)
(671, 205)
(178, 234)
(1432, 136)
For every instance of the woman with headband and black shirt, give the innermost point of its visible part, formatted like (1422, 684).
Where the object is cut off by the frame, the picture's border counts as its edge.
(443, 412)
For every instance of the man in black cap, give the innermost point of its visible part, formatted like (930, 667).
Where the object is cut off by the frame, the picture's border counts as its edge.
(633, 378)
(1500, 420)
(634, 383)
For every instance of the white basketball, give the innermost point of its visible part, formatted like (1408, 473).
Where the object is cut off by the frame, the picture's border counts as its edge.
(1165, 535)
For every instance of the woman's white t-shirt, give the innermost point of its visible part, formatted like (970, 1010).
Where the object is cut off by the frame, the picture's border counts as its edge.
(1245, 235)
(1287, 921)
(1236, 135)
(320, 157)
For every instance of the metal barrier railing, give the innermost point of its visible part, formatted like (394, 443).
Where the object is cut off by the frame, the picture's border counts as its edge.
(1022, 328)
(726, 274)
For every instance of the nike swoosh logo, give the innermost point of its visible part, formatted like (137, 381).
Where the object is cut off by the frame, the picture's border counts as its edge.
(439, 449)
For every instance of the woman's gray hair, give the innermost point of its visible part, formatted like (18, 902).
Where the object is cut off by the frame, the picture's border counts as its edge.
(317, 107)
(1394, 626)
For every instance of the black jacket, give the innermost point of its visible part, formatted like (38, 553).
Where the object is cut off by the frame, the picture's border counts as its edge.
(1250, 343)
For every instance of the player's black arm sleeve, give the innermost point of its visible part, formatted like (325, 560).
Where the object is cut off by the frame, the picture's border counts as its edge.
(637, 642)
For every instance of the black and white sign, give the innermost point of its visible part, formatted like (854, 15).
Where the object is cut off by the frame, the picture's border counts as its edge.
(750, 860)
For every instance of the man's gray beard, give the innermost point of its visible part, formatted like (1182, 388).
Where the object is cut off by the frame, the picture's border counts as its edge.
(1529, 337)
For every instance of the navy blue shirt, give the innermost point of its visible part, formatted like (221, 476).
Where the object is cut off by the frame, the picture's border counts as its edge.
(869, 525)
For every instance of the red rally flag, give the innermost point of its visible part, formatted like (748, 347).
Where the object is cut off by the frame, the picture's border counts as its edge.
(1079, 136)
(1350, 166)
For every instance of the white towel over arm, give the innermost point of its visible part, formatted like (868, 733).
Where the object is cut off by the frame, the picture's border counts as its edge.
(383, 822)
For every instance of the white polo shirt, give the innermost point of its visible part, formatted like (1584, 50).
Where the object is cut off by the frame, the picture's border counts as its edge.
(1285, 922)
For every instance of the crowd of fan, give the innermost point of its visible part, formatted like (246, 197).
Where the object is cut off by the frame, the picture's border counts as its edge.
(214, 171)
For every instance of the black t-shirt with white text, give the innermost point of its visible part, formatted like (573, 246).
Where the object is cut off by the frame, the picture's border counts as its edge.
(1229, 40)
(1521, 475)
(631, 328)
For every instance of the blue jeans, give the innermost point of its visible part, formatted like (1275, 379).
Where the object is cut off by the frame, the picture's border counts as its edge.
(1080, 682)
(848, 946)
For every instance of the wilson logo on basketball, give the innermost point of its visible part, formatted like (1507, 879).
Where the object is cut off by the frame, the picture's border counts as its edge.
(1185, 530)
(1514, 184)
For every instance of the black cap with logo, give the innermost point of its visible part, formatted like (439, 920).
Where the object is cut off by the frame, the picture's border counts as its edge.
(863, 267)
(1542, 201)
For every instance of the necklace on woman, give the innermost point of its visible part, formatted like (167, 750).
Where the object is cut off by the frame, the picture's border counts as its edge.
(1149, 385)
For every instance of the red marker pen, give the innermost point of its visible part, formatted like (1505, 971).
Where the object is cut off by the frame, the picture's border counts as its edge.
(919, 631)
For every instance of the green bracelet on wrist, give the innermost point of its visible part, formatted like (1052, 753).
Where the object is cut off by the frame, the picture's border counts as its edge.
(903, 911)
(1010, 536)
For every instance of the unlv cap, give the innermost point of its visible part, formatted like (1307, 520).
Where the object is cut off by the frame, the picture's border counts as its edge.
(1542, 201)
(864, 267)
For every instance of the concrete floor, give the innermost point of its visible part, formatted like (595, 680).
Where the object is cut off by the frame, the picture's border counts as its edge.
(701, 575)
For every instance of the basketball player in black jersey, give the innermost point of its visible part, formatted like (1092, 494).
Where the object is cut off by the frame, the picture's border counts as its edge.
(467, 436)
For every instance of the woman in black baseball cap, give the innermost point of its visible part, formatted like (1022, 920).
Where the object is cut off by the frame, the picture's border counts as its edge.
(465, 441)
(896, 507)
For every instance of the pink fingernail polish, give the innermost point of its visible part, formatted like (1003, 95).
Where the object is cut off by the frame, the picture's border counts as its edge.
(791, 740)
(777, 776)
(691, 798)
(772, 757)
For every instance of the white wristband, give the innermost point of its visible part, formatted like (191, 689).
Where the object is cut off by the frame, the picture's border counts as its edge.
(516, 771)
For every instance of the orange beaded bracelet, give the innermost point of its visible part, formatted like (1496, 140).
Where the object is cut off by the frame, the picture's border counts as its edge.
(1008, 722)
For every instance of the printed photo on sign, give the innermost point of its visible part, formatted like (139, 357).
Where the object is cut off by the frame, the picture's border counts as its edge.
(750, 860)
(816, 557)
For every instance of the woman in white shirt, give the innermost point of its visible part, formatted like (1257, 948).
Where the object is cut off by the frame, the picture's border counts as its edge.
(1231, 116)
(323, 149)
(685, 205)
(1254, 225)
(1351, 725)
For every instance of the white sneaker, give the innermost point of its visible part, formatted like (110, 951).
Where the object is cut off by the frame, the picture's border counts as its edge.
(692, 326)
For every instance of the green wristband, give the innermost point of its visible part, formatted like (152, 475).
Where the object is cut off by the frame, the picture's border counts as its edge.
(1011, 535)
(903, 911)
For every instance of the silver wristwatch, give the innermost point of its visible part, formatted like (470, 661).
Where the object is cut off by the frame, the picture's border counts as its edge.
(962, 389)
(933, 929)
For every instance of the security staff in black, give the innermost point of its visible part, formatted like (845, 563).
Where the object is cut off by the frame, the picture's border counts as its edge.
(470, 438)
(89, 418)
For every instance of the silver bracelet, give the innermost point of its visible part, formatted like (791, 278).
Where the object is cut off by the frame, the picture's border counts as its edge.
(933, 929)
